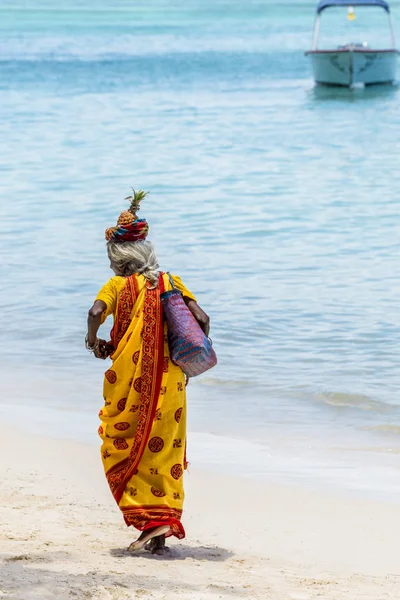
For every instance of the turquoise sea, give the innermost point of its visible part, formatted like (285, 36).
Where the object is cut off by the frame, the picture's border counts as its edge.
(277, 202)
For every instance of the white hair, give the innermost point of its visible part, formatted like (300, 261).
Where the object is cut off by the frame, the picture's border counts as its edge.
(127, 258)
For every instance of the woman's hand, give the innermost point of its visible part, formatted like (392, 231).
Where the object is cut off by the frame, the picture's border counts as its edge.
(101, 349)
(201, 317)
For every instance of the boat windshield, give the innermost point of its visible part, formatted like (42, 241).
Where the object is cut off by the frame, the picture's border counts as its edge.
(359, 26)
(324, 4)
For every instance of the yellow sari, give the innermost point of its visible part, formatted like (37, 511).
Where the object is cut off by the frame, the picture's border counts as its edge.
(143, 421)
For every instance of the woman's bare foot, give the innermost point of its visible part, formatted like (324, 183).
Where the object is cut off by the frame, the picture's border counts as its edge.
(151, 544)
(157, 545)
(147, 536)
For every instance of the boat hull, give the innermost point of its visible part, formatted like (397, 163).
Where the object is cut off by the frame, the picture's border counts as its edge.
(353, 66)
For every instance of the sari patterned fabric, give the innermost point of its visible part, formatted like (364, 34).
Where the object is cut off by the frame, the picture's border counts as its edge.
(143, 421)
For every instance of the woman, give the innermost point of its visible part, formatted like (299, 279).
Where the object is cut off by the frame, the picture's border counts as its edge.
(143, 421)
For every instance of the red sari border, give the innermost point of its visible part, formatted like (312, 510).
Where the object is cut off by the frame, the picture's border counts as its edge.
(151, 377)
(147, 517)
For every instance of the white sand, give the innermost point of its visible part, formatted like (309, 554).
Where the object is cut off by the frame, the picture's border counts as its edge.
(63, 537)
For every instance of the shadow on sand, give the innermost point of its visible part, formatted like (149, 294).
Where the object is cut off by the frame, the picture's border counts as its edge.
(181, 552)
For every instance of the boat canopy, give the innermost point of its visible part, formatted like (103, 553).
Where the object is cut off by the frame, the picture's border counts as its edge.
(323, 4)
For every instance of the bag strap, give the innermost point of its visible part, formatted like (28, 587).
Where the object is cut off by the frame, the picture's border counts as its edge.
(171, 280)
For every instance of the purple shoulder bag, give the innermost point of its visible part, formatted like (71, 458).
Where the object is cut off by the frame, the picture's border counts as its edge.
(189, 347)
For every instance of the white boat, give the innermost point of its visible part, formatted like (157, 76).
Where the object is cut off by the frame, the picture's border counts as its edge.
(353, 63)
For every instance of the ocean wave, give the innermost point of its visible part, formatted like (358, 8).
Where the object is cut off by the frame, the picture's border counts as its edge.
(355, 401)
(385, 428)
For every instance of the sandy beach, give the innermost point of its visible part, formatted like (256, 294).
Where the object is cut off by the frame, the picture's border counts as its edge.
(62, 536)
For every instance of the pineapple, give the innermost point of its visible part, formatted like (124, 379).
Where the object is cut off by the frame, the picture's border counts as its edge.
(127, 217)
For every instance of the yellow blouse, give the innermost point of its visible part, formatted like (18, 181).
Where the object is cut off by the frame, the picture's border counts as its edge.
(109, 293)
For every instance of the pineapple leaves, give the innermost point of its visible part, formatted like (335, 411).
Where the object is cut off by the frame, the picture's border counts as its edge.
(135, 200)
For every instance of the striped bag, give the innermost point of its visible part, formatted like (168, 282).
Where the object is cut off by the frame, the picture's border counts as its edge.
(189, 347)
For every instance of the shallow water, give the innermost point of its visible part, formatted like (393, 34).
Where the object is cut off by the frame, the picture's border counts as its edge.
(277, 203)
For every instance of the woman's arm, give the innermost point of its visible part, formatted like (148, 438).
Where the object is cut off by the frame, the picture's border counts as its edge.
(93, 323)
(201, 317)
